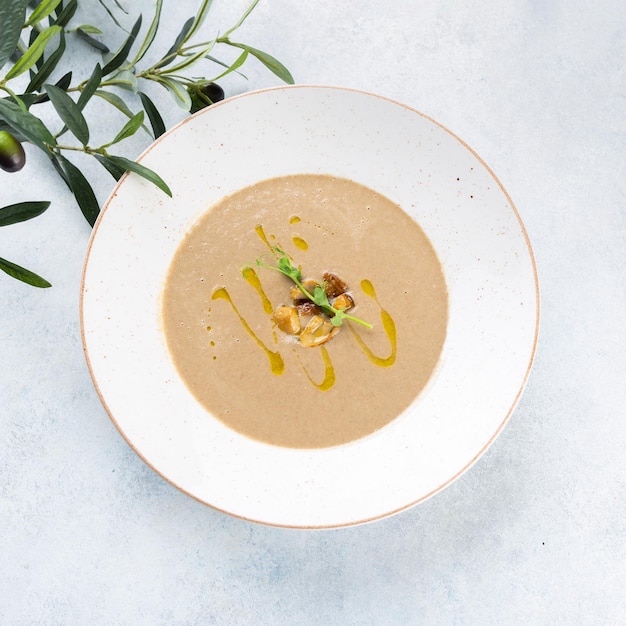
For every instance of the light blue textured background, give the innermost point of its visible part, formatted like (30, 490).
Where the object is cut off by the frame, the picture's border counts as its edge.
(534, 533)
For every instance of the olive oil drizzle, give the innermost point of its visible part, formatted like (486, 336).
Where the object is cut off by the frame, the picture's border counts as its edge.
(300, 243)
(329, 371)
(388, 325)
(277, 364)
(261, 233)
(252, 278)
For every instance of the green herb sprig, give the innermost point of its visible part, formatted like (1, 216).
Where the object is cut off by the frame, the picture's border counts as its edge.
(34, 37)
(318, 297)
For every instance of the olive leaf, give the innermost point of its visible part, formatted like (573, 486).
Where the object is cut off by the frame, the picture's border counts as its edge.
(116, 170)
(69, 112)
(225, 65)
(90, 87)
(10, 129)
(242, 19)
(56, 163)
(63, 83)
(119, 6)
(45, 8)
(129, 129)
(89, 29)
(117, 166)
(184, 31)
(171, 54)
(192, 58)
(272, 64)
(82, 190)
(25, 100)
(112, 16)
(198, 20)
(178, 91)
(239, 61)
(12, 16)
(121, 55)
(34, 52)
(48, 66)
(21, 211)
(31, 40)
(117, 102)
(64, 16)
(156, 121)
(149, 38)
(144, 172)
(92, 41)
(21, 273)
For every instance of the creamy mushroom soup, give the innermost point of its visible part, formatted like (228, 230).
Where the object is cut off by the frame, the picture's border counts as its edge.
(241, 333)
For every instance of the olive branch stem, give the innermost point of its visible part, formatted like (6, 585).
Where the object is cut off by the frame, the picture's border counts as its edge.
(33, 43)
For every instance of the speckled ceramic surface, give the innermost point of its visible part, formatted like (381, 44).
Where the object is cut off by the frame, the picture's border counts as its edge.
(431, 174)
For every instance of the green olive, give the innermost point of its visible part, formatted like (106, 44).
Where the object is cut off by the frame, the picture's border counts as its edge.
(12, 156)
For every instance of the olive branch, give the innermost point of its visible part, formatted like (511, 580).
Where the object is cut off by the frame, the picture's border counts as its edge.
(33, 39)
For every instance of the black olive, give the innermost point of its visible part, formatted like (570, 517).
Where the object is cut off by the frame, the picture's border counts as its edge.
(12, 156)
(213, 92)
(203, 95)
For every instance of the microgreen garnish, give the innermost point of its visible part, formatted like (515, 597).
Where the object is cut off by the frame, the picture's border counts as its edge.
(318, 297)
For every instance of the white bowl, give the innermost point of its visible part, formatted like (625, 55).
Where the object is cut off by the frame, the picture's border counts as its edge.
(438, 180)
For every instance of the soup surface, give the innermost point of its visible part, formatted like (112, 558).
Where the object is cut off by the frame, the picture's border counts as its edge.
(220, 328)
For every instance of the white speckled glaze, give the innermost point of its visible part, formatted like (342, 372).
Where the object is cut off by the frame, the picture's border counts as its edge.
(431, 174)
